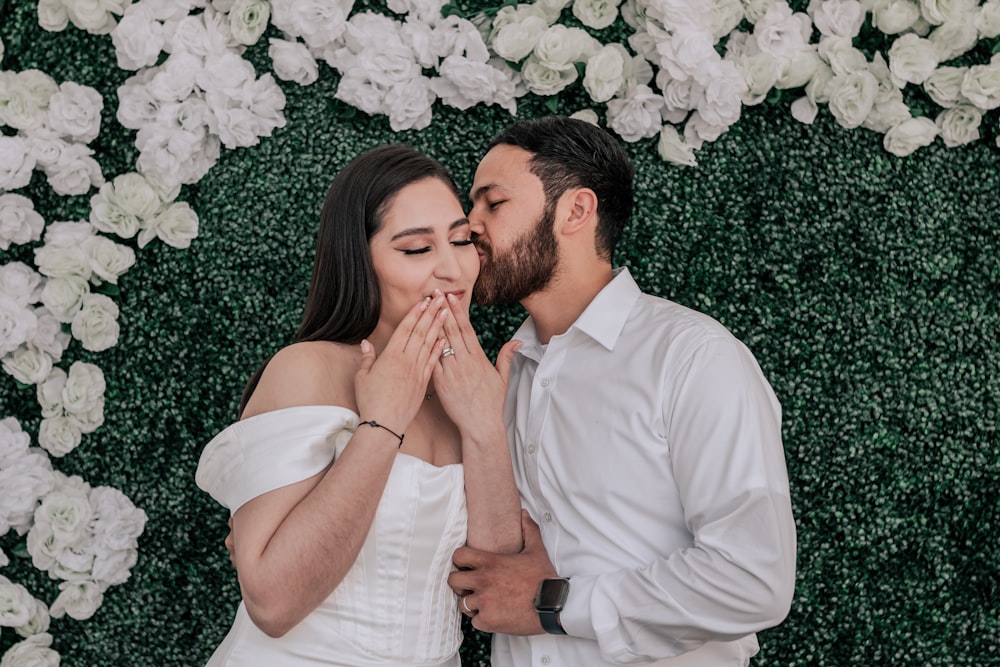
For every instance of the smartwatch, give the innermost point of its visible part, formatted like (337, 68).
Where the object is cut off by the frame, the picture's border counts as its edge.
(549, 602)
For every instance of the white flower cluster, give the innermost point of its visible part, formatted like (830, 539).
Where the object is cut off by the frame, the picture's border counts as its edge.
(383, 61)
(96, 17)
(20, 610)
(54, 124)
(133, 205)
(31, 337)
(72, 405)
(86, 536)
(203, 95)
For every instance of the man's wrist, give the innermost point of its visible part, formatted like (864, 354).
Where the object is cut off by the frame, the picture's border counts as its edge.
(549, 601)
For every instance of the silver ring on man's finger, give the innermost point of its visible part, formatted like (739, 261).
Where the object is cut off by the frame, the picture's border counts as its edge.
(465, 606)
(447, 352)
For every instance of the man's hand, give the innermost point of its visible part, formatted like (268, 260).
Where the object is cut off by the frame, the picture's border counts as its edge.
(500, 589)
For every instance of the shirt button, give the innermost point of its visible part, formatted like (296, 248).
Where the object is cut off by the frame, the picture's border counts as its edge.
(547, 517)
(546, 382)
(545, 660)
(531, 448)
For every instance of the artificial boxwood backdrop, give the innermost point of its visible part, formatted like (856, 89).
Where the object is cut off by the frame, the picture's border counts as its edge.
(865, 284)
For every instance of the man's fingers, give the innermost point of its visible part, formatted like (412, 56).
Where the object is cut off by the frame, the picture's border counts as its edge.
(469, 558)
(506, 357)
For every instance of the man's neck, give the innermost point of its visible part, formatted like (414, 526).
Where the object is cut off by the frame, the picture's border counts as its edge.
(557, 307)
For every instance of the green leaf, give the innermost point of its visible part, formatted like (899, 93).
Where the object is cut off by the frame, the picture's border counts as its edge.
(108, 289)
(552, 104)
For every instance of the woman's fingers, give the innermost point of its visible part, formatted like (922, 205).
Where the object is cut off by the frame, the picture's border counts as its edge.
(462, 327)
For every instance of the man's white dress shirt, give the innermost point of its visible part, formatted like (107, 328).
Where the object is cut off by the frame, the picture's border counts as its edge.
(647, 445)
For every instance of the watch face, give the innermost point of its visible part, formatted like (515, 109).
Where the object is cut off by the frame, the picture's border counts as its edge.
(552, 595)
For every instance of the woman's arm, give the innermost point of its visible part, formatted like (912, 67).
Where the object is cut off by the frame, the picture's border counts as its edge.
(294, 545)
(472, 392)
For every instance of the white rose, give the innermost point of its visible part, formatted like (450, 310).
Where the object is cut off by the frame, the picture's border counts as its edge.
(20, 282)
(605, 74)
(14, 442)
(937, 12)
(138, 39)
(39, 621)
(981, 86)
(16, 603)
(50, 391)
(175, 78)
(852, 97)
(63, 297)
(267, 102)
(75, 112)
(96, 323)
(117, 521)
(697, 131)
(17, 324)
(840, 18)
(94, 17)
(84, 387)
(895, 16)
(49, 335)
(292, 61)
(841, 55)
(65, 512)
(58, 436)
(586, 115)
(108, 216)
(464, 83)
(596, 14)
(409, 105)
(318, 22)
(515, 41)
(19, 222)
(672, 148)
(52, 15)
(912, 58)
(544, 80)
(677, 95)
(685, 53)
(454, 35)
(76, 172)
(719, 101)
(760, 72)
(16, 163)
(32, 652)
(959, 125)
(45, 145)
(175, 225)
(108, 259)
(24, 479)
(782, 33)
(560, 46)
(944, 85)
(987, 20)
(248, 19)
(136, 104)
(91, 420)
(62, 262)
(359, 92)
(135, 195)
(27, 364)
(637, 115)
(78, 599)
(24, 97)
(726, 15)
(954, 37)
(112, 567)
(798, 70)
(756, 9)
(910, 135)
(804, 110)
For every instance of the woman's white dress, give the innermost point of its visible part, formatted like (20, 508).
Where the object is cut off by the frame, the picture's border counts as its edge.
(394, 606)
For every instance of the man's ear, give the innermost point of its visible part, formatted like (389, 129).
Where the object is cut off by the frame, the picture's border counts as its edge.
(579, 208)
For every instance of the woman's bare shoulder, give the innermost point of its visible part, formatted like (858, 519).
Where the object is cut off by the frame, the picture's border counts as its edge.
(307, 373)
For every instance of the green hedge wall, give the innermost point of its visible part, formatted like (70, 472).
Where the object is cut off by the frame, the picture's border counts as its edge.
(865, 284)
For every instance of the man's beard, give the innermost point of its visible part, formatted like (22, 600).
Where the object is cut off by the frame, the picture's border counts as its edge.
(528, 266)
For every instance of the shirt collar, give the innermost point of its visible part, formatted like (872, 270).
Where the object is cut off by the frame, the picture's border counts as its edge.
(603, 320)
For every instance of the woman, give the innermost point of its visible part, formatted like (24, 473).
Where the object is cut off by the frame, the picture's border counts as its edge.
(373, 447)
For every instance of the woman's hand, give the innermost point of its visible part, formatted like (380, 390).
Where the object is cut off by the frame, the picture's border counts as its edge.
(391, 388)
(471, 389)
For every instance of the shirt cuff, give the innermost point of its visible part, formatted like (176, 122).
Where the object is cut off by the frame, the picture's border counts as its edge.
(575, 617)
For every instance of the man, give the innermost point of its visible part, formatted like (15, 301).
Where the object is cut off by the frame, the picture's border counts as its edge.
(646, 441)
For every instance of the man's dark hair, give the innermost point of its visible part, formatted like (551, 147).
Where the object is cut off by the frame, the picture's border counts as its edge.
(569, 153)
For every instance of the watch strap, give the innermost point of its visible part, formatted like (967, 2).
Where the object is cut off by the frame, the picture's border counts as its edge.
(550, 622)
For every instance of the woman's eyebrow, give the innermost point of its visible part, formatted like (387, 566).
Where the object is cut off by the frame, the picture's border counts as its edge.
(418, 231)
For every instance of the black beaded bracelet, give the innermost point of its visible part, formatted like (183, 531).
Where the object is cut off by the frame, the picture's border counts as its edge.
(375, 424)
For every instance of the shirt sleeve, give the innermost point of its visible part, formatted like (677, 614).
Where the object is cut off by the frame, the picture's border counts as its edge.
(724, 433)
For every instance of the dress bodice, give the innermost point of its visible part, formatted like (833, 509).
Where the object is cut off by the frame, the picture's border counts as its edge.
(394, 605)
